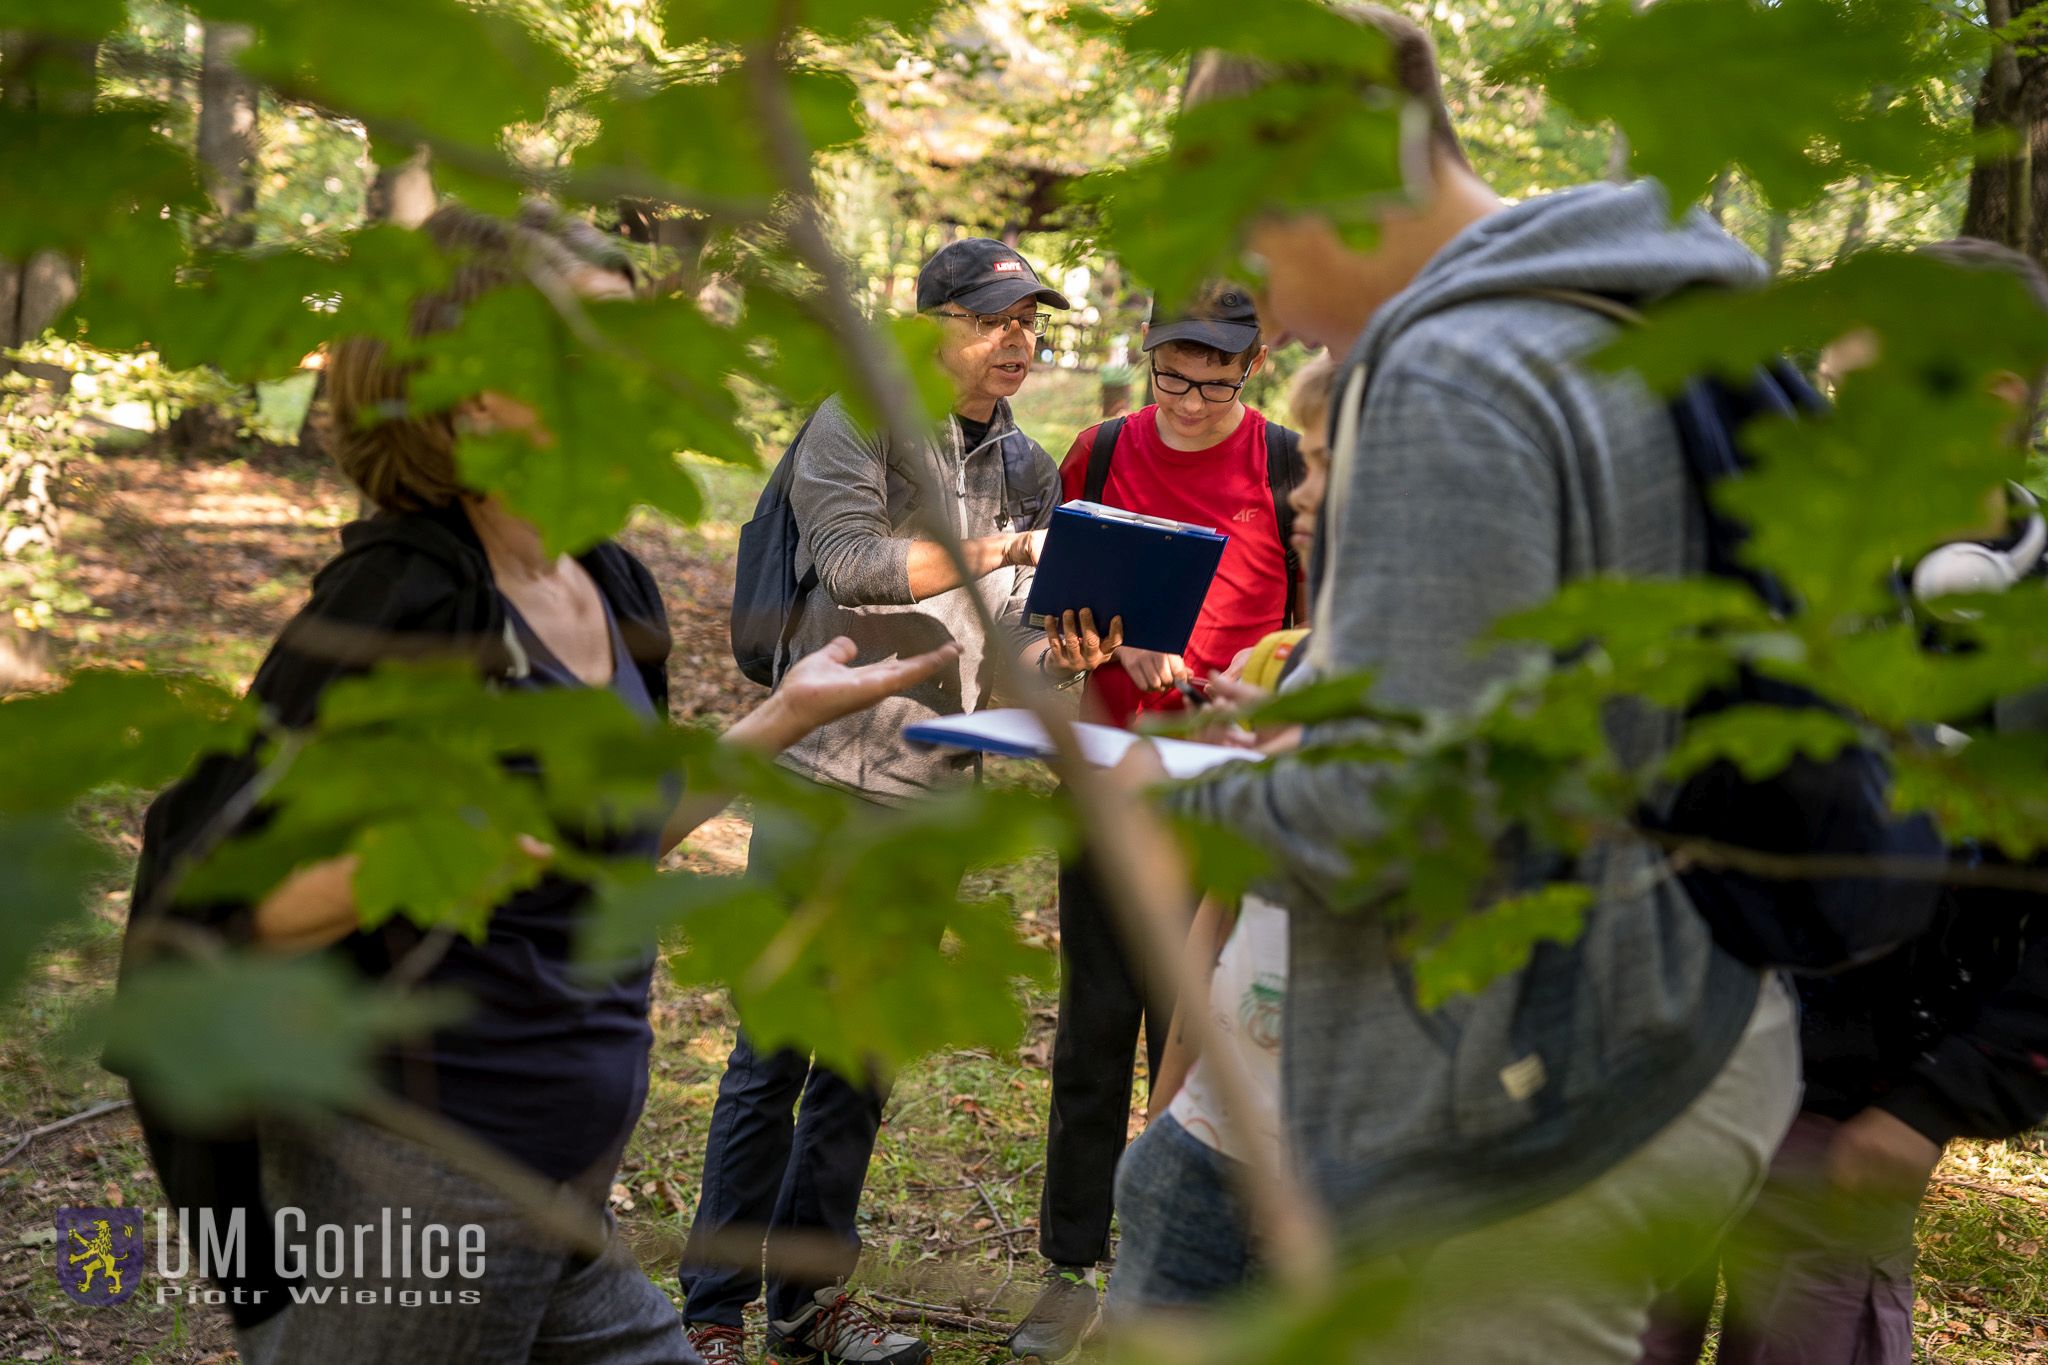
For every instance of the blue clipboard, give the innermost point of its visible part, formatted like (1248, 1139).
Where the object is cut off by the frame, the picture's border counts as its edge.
(1152, 572)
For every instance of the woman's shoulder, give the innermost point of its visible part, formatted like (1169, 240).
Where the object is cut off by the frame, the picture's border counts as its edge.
(396, 568)
(635, 599)
(403, 586)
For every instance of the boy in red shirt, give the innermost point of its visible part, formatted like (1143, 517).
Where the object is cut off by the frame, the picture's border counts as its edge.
(1199, 455)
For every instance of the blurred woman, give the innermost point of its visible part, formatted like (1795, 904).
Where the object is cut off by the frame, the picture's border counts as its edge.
(549, 1066)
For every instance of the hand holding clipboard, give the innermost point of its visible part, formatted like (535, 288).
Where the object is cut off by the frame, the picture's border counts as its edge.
(1152, 572)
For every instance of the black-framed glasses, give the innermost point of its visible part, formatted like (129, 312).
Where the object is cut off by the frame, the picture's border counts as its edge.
(1038, 324)
(1213, 390)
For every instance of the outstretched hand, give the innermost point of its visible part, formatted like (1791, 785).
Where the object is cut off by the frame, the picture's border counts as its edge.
(824, 685)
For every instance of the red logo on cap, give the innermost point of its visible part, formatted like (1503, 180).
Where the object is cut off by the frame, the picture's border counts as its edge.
(1008, 265)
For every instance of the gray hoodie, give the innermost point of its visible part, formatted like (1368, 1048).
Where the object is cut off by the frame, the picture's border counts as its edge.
(1488, 473)
(859, 505)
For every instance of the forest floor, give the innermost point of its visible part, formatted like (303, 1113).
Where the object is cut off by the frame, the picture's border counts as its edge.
(196, 565)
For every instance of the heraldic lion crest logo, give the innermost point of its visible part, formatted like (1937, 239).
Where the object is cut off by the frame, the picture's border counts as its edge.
(99, 1254)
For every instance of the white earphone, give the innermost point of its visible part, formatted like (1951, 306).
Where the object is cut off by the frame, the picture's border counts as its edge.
(1970, 567)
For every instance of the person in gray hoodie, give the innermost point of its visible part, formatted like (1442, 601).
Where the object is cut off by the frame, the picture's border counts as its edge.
(1621, 1095)
(871, 518)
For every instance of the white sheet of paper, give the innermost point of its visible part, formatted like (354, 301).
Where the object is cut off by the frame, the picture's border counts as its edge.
(1103, 745)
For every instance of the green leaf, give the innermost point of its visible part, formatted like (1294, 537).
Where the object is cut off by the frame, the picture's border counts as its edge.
(104, 177)
(1799, 93)
(51, 865)
(1484, 946)
(85, 20)
(1346, 697)
(1759, 740)
(257, 316)
(1994, 790)
(793, 350)
(112, 728)
(209, 1043)
(438, 867)
(747, 21)
(1316, 147)
(727, 153)
(1890, 677)
(851, 935)
(1631, 616)
(1289, 33)
(1987, 324)
(620, 390)
(430, 67)
(405, 767)
(1220, 861)
(1915, 440)
(1836, 501)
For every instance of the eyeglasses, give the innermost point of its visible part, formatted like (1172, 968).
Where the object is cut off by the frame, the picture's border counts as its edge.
(1213, 391)
(1038, 324)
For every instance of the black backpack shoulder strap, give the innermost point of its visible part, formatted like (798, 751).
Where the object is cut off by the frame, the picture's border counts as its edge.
(785, 473)
(1099, 456)
(1283, 473)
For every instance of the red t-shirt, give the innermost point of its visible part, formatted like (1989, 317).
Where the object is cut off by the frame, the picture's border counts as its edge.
(1224, 487)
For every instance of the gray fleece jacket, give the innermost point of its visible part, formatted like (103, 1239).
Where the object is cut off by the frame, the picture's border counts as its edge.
(1488, 472)
(859, 505)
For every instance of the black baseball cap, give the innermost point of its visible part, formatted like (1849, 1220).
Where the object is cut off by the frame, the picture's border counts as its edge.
(982, 276)
(1222, 316)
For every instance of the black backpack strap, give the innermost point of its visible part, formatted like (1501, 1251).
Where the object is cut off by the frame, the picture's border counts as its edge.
(1283, 473)
(1099, 455)
(786, 472)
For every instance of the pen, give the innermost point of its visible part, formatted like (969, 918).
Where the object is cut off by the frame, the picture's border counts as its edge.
(1104, 512)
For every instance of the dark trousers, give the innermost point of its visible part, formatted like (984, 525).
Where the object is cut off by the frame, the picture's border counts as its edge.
(787, 1152)
(1812, 1279)
(1103, 999)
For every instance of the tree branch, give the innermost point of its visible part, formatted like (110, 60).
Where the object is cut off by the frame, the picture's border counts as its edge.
(1146, 880)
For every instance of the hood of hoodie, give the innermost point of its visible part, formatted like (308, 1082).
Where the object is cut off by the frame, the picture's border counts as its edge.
(443, 534)
(1617, 240)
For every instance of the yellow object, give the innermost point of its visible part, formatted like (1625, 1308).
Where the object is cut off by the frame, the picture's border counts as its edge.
(1269, 658)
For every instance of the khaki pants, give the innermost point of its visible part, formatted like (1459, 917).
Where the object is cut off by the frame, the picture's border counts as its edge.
(1574, 1281)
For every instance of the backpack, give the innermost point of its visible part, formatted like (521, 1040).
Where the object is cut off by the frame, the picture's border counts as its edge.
(767, 596)
(1841, 806)
(1283, 472)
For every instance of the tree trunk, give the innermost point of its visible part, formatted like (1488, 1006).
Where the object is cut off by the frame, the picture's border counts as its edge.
(31, 297)
(1617, 158)
(38, 72)
(1858, 226)
(227, 133)
(1775, 235)
(35, 73)
(403, 193)
(2008, 198)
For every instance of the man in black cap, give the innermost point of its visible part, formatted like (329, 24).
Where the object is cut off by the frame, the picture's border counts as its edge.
(870, 520)
(1197, 454)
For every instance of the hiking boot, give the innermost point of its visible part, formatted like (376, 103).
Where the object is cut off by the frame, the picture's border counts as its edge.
(1065, 1310)
(718, 1345)
(833, 1329)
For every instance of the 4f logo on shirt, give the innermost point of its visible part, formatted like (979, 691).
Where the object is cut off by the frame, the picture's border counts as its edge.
(1248, 514)
(99, 1254)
